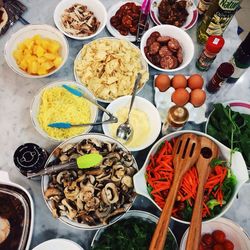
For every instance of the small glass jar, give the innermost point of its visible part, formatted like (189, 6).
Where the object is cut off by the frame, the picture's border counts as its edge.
(30, 158)
(176, 119)
(212, 48)
(224, 71)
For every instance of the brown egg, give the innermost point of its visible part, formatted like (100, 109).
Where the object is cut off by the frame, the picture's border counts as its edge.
(195, 81)
(197, 97)
(179, 81)
(180, 97)
(162, 82)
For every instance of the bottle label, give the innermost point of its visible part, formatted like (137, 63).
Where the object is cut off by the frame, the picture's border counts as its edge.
(229, 4)
(218, 23)
(203, 6)
(222, 17)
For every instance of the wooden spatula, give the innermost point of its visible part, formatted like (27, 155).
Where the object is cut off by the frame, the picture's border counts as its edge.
(185, 153)
(209, 151)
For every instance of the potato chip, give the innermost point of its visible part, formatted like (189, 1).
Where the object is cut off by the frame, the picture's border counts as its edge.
(109, 67)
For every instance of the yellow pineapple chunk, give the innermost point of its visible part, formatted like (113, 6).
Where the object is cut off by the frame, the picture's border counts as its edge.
(58, 61)
(41, 59)
(38, 51)
(54, 47)
(45, 44)
(34, 67)
(37, 39)
(23, 65)
(42, 71)
(47, 65)
(38, 55)
(18, 55)
(50, 56)
(28, 43)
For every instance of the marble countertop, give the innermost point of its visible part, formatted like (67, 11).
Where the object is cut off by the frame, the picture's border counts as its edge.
(16, 94)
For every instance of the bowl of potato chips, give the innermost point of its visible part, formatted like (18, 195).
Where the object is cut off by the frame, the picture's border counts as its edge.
(36, 51)
(108, 67)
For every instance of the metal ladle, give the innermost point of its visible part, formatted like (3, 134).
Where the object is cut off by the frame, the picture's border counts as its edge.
(125, 131)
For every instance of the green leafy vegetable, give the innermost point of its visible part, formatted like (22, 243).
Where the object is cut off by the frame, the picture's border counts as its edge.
(232, 129)
(130, 234)
(213, 203)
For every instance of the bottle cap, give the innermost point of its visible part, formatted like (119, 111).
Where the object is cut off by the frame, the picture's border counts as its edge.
(30, 158)
(214, 44)
(225, 70)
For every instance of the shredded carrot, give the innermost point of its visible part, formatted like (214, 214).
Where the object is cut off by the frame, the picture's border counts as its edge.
(160, 174)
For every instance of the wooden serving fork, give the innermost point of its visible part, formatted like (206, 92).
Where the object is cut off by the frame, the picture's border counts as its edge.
(185, 153)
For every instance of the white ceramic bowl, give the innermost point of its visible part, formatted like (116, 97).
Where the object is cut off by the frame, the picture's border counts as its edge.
(29, 31)
(144, 66)
(45, 179)
(111, 12)
(35, 104)
(132, 214)
(183, 38)
(233, 232)
(191, 18)
(62, 244)
(142, 104)
(93, 5)
(238, 167)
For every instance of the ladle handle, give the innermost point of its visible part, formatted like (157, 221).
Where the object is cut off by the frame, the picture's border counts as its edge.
(194, 233)
(134, 92)
(159, 238)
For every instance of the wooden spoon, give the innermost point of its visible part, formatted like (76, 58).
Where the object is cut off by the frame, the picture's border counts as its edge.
(185, 153)
(209, 151)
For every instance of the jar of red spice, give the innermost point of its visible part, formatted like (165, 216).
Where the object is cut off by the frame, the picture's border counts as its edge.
(212, 48)
(224, 71)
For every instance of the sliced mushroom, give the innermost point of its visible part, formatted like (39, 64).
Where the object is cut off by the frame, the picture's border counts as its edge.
(86, 193)
(79, 204)
(94, 171)
(84, 218)
(71, 213)
(92, 204)
(118, 172)
(128, 181)
(102, 212)
(116, 212)
(103, 177)
(63, 158)
(67, 148)
(54, 209)
(50, 192)
(109, 194)
(71, 193)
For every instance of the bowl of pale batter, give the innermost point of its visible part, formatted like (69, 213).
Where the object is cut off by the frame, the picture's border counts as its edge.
(144, 119)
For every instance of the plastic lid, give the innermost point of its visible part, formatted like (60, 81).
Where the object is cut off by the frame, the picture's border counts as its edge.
(214, 44)
(30, 157)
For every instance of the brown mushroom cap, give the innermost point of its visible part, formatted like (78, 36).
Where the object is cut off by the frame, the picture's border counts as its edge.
(109, 194)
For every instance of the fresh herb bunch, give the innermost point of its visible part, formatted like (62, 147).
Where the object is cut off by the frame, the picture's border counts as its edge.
(133, 234)
(232, 129)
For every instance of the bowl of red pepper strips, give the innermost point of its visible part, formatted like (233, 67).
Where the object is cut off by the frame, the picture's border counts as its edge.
(228, 174)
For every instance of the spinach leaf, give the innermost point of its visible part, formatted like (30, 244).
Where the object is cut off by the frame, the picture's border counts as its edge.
(232, 129)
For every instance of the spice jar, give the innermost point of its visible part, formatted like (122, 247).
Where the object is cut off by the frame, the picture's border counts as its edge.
(224, 71)
(30, 158)
(212, 48)
(176, 119)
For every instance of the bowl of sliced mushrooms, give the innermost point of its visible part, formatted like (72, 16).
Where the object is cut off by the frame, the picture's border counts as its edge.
(95, 197)
(81, 19)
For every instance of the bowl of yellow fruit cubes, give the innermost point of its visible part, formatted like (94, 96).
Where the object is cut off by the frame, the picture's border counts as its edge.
(36, 51)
